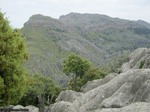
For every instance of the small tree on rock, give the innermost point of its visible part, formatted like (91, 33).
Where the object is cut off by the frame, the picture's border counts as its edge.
(75, 65)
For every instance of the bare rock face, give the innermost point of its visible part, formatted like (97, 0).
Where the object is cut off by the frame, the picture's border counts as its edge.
(122, 92)
(32, 108)
(20, 108)
(127, 93)
(68, 96)
(139, 59)
(95, 83)
(135, 107)
(63, 107)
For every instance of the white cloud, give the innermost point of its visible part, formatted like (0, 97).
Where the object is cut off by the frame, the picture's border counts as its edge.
(19, 11)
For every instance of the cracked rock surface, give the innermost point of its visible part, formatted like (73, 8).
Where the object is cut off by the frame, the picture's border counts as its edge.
(128, 91)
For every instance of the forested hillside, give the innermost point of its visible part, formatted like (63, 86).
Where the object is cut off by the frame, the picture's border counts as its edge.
(99, 38)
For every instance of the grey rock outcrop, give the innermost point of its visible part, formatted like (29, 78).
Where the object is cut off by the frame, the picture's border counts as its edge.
(139, 59)
(32, 108)
(63, 107)
(122, 92)
(20, 108)
(130, 89)
(68, 96)
(135, 107)
(95, 83)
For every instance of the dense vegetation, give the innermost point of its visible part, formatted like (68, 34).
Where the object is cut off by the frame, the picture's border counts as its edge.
(16, 86)
(76, 66)
(91, 74)
(81, 71)
(41, 91)
(98, 38)
(12, 53)
(35, 90)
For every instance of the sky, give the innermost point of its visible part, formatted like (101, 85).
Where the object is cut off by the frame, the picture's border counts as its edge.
(19, 11)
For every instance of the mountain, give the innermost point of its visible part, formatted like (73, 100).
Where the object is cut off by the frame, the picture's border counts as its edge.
(99, 38)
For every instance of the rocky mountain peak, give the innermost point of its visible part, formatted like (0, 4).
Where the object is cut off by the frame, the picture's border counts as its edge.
(39, 20)
(144, 23)
(93, 22)
(83, 15)
(99, 38)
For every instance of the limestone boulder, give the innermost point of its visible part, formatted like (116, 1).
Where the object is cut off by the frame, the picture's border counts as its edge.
(139, 59)
(128, 91)
(68, 96)
(32, 108)
(95, 83)
(63, 107)
(124, 89)
(118, 92)
(134, 107)
(29, 108)
(133, 90)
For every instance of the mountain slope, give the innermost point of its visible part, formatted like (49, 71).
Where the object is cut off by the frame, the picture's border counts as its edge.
(99, 38)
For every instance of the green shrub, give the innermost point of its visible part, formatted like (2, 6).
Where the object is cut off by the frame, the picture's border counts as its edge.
(91, 74)
(41, 91)
(141, 64)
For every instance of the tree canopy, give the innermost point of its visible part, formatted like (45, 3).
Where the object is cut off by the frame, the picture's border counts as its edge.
(12, 54)
(91, 74)
(41, 91)
(75, 65)
(81, 70)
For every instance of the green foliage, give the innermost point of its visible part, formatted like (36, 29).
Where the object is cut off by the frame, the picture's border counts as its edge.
(82, 71)
(50, 43)
(91, 74)
(1, 86)
(12, 54)
(78, 84)
(117, 62)
(75, 65)
(41, 90)
(141, 64)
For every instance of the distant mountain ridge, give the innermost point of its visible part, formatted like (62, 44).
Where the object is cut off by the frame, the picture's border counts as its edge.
(99, 38)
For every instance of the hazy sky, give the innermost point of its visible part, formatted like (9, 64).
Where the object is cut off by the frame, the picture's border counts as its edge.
(19, 11)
